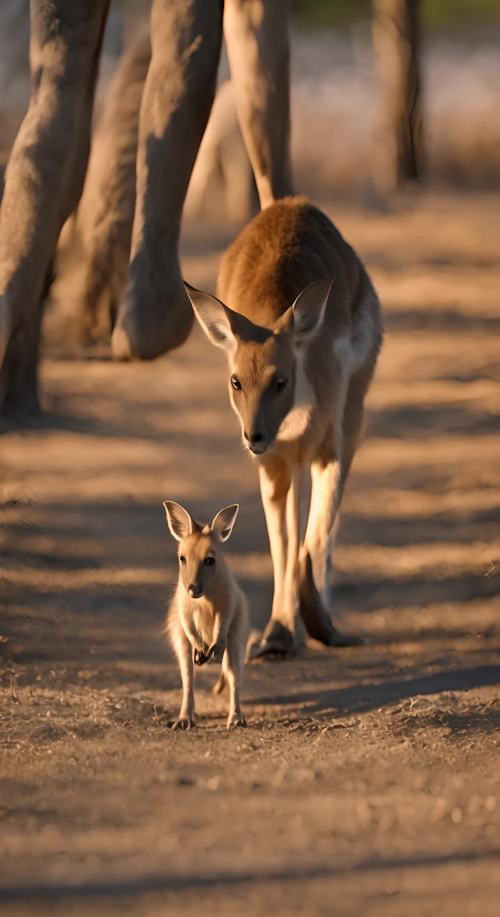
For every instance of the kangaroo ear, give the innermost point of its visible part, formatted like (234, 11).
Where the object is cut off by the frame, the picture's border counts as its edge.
(309, 310)
(213, 317)
(222, 523)
(285, 321)
(179, 521)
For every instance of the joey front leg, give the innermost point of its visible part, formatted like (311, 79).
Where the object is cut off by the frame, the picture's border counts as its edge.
(200, 648)
(219, 639)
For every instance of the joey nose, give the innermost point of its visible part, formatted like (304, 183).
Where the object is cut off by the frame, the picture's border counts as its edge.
(195, 591)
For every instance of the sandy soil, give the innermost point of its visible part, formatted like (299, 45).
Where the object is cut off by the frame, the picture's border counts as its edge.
(368, 781)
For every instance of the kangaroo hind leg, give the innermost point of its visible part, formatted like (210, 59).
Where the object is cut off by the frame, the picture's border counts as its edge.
(329, 474)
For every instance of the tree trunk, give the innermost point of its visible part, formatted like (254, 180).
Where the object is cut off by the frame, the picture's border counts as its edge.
(396, 36)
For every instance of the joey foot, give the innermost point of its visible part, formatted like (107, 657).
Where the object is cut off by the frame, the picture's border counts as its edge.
(183, 723)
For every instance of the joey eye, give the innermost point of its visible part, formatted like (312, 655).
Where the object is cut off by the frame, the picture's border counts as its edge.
(182, 559)
(209, 561)
(235, 382)
(280, 384)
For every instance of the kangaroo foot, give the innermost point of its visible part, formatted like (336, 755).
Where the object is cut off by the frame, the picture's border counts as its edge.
(151, 319)
(316, 619)
(277, 642)
(319, 626)
(18, 374)
(341, 639)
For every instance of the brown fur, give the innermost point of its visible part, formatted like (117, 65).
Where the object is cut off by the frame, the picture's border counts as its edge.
(292, 244)
(301, 324)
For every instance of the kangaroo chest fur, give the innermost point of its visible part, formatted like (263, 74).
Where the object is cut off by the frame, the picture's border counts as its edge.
(312, 414)
(300, 420)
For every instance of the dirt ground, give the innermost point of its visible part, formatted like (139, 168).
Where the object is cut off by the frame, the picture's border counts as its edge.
(368, 780)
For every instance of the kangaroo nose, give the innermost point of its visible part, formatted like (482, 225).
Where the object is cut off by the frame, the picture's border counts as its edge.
(253, 438)
(195, 591)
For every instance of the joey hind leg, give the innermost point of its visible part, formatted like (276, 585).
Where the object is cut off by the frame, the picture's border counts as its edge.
(183, 651)
(232, 671)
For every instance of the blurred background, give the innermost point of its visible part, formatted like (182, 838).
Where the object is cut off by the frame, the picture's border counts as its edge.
(342, 99)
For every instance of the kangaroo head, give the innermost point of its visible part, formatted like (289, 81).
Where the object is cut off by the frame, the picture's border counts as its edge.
(262, 361)
(199, 545)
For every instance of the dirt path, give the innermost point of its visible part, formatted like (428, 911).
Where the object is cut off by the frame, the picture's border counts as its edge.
(369, 780)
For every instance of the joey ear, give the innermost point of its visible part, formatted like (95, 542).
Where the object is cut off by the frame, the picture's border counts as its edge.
(309, 309)
(179, 521)
(223, 522)
(213, 317)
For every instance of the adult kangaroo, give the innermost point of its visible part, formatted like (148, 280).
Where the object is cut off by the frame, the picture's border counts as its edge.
(301, 325)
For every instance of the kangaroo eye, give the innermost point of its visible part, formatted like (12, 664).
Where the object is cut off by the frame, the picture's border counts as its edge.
(182, 558)
(235, 382)
(280, 384)
(209, 561)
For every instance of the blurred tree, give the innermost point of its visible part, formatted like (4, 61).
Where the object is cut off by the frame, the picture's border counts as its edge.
(436, 14)
(396, 37)
(14, 42)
